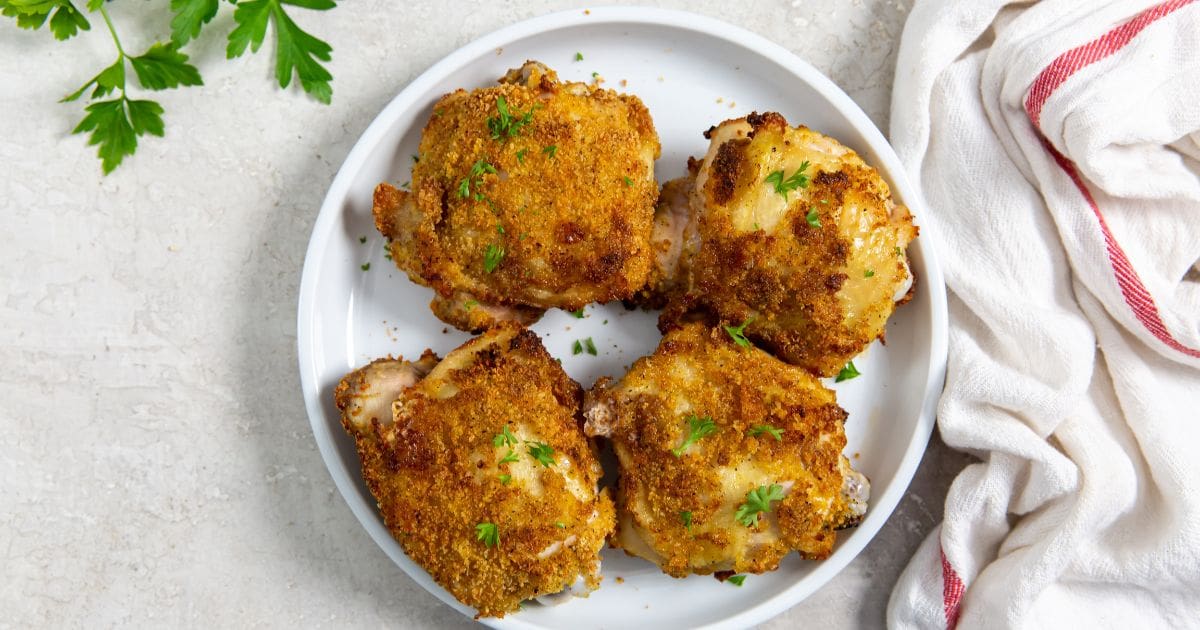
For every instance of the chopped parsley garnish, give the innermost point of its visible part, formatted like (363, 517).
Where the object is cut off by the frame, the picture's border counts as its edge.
(697, 428)
(470, 304)
(686, 518)
(505, 125)
(499, 229)
(868, 273)
(766, 428)
(487, 534)
(595, 75)
(812, 219)
(362, 239)
(628, 182)
(521, 156)
(560, 524)
(475, 178)
(577, 314)
(504, 437)
(758, 501)
(492, 257)
(847, 373)
(504, 479)
(784, 185)
(736, 580)
(365, 266)
(510, 457)
(898, 252)
(551, 150)
(738, 333)
(416, 158)
(577, 348)
(589, 346)
(578, 56)
(542, 452)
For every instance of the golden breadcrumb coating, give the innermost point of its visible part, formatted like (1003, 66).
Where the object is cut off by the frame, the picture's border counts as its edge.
(431, 436)
(698, 373)
(554, 212)
(818, 271)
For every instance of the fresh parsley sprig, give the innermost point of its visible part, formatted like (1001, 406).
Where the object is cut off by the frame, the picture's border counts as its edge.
(738, 333)
(784, 185)
(758, 501)
(542, 452)
(488, 534)
(847, 373)
(115, 124)
(773, 431)
(504, 125)
(698, 428)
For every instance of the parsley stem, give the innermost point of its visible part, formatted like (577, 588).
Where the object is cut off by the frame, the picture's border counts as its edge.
(116, 40)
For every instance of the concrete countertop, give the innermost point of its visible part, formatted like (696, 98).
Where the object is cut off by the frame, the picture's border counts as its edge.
(156, 463)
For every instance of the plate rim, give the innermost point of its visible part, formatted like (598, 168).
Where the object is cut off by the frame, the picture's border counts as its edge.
(933, 280)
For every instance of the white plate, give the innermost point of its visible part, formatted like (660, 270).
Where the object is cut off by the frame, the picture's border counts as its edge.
(690, 71)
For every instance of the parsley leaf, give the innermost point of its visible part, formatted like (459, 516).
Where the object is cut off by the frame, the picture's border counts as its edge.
(697, 428)
(365, 266)
(296, 51)
(551, 150)
(811, 217)
(543, 453)
(521, 156)
(487, 534)
(163, 67)
(115, 125)
(577, 314)
(784, 185)
(736, 580)
(504, 437)
(475, 178)
(589, 346)
(757, 501)
(190, 16)
(577, 348)
(868, 273)
(504, 479)
(505, 125)
(578, 56)
(510, 457)
(628, 182)
(847, 373)
(65, 23)
(686, 517)
(766, 428)
(738, 333)
(492, 257)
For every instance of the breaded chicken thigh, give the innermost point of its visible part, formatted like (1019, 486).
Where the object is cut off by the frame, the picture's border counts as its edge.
(528, 195)
(729, 458)
(789, 230)
(481, 470)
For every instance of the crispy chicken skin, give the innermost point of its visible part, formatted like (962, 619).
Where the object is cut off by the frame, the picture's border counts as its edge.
(553, 212)
(431, 436)
(818, 271)
(698, 373)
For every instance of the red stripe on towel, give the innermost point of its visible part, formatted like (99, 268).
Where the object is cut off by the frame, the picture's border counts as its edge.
(952, 592)
(1136, 295)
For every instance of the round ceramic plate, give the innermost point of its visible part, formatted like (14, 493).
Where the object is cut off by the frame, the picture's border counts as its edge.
(691, 72)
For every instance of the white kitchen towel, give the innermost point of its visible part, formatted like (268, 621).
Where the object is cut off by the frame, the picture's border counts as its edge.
(1055, 144)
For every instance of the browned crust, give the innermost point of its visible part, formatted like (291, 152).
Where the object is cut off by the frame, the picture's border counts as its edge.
(806, 288)
(701, 369)
(574, 227)
(434, 472)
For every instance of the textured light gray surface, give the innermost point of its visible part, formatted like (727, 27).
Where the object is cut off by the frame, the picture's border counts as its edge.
(156, 464)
